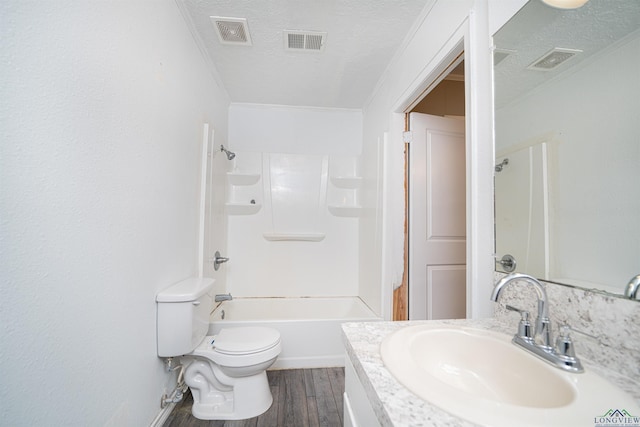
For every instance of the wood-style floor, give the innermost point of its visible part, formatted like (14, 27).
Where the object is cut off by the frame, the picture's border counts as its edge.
(301, 398)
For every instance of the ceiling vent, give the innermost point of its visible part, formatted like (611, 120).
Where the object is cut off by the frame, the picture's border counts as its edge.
(232, 31)
(553, 59)
(309, 41)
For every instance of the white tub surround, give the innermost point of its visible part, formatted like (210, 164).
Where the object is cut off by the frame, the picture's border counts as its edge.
(392, 404)
(293, 201)
(309, 327)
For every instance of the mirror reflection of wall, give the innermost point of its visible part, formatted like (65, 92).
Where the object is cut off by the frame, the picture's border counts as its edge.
(522, 209)
(577, 219)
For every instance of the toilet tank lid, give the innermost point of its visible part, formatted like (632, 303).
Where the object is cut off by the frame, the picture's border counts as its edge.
(186, 290)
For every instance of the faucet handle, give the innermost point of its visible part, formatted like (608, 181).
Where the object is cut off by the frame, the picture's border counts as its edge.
(512, 308)
(571, 328)
(564, 344)
(524, 326)
(565, 351)
(217, 260)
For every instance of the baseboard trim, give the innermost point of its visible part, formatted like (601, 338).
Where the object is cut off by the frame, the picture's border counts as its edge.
(162, 416)
(309, 362)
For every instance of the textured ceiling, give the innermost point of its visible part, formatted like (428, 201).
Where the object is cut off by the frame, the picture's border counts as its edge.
(363, 36)
(537, 28)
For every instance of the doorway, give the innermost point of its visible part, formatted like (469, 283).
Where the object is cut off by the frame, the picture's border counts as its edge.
(435, 234)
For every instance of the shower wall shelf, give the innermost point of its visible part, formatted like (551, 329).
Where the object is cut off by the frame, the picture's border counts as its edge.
(239, 178)
(299, 237)
(350, 211)
(348, 182)
(343, 195)
(242, 208)
(242, 191)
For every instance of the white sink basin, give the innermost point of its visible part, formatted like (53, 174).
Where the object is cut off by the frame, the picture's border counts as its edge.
(482, 377)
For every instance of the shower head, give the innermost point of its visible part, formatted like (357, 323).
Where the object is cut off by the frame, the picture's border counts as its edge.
(230, 154)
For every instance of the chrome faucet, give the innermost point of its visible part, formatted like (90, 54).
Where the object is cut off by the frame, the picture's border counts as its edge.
(542, 331)
(563, 355)
(223, 297)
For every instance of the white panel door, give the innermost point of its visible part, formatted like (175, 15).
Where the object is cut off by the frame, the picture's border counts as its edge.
(437, 218)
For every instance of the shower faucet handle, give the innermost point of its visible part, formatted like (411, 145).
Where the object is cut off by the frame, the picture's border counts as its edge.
(218, 259)
(508, 263)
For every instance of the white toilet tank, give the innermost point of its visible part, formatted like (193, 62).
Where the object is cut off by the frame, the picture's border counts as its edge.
(183, 315)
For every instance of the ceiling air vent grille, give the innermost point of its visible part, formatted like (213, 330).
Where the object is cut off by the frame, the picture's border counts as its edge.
(310, 41)
(232, 31)
(553, 59)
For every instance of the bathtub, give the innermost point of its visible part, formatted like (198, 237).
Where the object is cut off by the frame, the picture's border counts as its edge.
(309, 327)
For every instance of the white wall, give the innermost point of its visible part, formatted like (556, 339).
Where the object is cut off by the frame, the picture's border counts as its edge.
(101, 119)
(296, 152)
(298, 130)
(597, 146)
(444, 25)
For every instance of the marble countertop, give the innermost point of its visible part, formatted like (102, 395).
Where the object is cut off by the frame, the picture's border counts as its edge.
(395, 405)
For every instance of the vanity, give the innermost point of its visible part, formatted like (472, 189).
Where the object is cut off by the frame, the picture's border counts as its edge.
(375, 397)
(478, 372)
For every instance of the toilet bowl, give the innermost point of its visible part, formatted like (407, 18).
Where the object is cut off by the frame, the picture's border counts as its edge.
(225, 372)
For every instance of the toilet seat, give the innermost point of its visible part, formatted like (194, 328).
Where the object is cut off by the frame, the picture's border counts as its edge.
(240, 347)
(245, 340)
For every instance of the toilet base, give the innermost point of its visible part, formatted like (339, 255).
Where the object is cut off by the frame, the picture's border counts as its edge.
(248, 398)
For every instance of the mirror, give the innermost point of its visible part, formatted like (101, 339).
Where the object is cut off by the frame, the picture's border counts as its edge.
(567, 135)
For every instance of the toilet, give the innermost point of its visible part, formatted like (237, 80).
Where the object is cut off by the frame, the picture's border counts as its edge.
(225, 372)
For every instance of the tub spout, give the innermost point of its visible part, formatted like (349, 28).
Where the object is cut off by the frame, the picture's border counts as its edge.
(223, 297)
